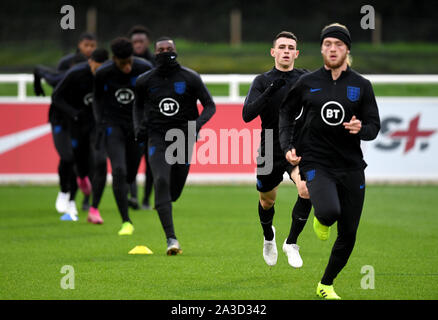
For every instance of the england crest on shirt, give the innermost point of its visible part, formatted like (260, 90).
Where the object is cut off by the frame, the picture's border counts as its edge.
(353, 93)
(180, 87)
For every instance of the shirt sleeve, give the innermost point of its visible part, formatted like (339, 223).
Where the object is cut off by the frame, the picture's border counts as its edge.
(209, 107)
(64, 63)
(140, 108)
(369, 115)
(289, 109)
(59, 94)
(255, 101)
(98, 94)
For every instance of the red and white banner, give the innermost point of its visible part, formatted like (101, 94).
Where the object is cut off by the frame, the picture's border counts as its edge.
(27, 152)
(405, 150)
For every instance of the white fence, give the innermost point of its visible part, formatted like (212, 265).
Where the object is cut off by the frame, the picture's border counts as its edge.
(232, 80)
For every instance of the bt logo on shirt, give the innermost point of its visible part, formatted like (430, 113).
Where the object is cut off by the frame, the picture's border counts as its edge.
(88, 99)
(124, 96)
(169, 107)
(332, 113)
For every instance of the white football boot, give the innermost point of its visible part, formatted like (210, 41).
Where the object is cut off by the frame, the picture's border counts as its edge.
(72, 212)
(270, 253)
(292, 252)
(62, 199)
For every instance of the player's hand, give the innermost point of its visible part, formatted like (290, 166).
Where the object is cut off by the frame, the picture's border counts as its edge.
(301, 184)
(275, 85)
(353, 126)
(292, 158)
(37, 88)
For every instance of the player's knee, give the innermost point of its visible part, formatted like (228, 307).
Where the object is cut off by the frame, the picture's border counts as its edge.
(119, 174)
(302, 209)
(267, 203)
(175, 195)
(161, 183)
(101, 168)
(347, 235)
(100, 162)
(328, 215)
(302, 190)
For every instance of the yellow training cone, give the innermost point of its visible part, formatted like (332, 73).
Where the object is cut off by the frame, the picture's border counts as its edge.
(141, 250)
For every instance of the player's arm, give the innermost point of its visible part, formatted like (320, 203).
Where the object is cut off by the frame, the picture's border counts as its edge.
(370, 125)
(258, 97)
(98, 95)
(208, 105)
(289, 108)
(64, 63)
(51, 76)
(141, 109)
(59, 94)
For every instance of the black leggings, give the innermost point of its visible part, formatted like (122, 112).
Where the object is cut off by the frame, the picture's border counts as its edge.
(89, 161)
(337, 196)
(169, 179)
(99, 167)
(63, 146)
(125, 155)
(149, 178)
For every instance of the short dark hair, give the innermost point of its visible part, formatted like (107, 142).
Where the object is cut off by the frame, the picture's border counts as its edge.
(99, 55)
(284, 34)
(87, 36)
(163, 39)
(139, 29)
(121, 47)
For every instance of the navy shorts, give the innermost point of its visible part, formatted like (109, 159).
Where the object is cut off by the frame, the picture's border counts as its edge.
(267, 182)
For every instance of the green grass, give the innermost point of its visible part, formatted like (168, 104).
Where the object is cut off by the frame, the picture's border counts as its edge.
(222, 242)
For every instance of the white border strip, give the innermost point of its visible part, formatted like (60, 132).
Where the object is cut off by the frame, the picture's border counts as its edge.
(207, 178)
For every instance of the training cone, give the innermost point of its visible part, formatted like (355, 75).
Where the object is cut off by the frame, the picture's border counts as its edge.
(141, 250)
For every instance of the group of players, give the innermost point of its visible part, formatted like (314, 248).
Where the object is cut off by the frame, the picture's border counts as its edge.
(318, 120)
(112, 108)
(121, 107)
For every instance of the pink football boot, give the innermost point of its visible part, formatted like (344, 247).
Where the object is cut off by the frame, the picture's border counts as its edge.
(94, 216)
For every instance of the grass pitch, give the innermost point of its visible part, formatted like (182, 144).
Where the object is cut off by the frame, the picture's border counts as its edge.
(221, 239)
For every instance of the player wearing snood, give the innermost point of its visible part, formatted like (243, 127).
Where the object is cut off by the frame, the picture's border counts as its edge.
(339, 110)
(166, 99)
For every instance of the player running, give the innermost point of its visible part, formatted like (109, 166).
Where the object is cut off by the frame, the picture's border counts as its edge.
(166, 98)
(73, 97)
(339, 110)
(264, 98)
(65, 200)
(140, 37)
(113, 100)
